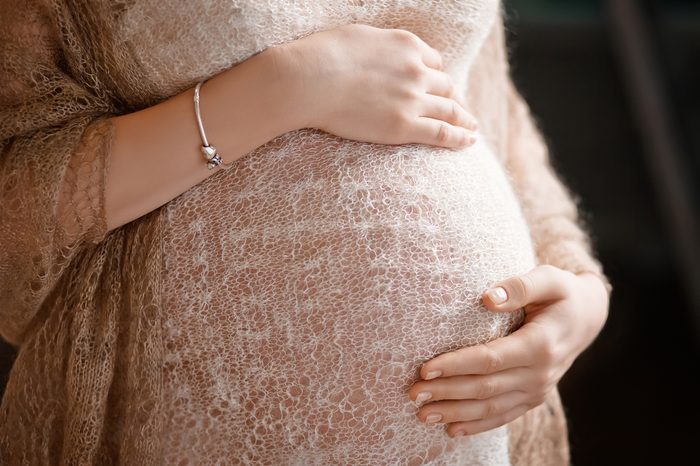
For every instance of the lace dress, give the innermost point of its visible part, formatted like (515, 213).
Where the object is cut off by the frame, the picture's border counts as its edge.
(277, 313)
(304, 289)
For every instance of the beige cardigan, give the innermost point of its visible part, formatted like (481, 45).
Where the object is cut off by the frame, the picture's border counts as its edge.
(83, 305)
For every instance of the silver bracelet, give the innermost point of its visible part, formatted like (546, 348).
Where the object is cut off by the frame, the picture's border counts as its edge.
(209, 151)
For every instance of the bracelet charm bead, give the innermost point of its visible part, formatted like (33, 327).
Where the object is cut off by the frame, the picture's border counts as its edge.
(208, 151)
(213, 159)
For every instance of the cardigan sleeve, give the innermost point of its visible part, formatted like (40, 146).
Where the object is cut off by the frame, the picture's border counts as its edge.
(559, 235)
(54, 138)
(550, 208)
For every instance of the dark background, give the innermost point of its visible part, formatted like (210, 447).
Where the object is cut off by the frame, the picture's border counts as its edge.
(633, 398)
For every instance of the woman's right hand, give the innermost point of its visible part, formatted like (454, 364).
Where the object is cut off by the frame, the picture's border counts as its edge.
(375, 85)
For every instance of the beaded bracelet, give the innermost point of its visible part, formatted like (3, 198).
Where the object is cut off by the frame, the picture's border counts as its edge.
(209, 151)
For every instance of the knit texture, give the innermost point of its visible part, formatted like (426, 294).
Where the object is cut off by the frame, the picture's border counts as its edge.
(277, 312)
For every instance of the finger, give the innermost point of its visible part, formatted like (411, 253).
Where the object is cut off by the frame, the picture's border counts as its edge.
(482, 425)
(439, 133)
(542, 284)
(449, 110)
(439, 83)
(498, 355)
(432, 58)
(470, 410)
(469, 387)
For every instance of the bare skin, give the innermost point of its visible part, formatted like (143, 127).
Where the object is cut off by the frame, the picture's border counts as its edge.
(378, 85)
(382, 86)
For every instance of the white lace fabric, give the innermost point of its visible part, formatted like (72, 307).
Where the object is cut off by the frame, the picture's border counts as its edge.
(305, 290)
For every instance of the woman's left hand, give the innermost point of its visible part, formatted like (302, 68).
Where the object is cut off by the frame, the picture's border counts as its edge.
(482, 387)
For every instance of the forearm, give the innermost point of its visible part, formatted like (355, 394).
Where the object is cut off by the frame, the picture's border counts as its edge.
(155, 152)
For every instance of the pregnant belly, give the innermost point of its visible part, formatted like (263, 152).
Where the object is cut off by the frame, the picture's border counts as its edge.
(305, 289)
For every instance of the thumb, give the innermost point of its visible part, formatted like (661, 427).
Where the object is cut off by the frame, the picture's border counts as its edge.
(542, 283)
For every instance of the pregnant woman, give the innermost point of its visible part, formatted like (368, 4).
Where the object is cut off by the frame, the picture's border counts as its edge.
(283, 232)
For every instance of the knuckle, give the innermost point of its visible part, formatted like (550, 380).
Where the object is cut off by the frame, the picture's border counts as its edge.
(411, 94)
(493, 361)
(525, 284)
(490, 409)
(407, 37)
(487, 388)
(443, 133)
(440, 61)
(414, 70)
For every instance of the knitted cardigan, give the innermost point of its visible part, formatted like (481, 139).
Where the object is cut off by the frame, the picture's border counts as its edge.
(83, 305)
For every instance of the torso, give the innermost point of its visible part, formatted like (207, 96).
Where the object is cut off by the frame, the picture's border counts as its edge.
(305, 287)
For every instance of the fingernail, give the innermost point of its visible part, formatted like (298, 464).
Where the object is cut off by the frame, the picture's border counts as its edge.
(433, 374)
(422, 396)
(435, 417)
(471, 140)
(459, 433)
(498, 295)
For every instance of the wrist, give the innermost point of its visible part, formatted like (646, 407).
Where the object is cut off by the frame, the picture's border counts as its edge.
(247, 106)
(598, 280)
(596, 293)
(283, 62)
